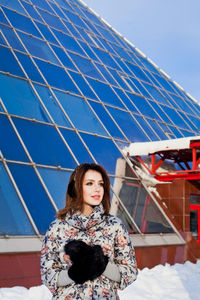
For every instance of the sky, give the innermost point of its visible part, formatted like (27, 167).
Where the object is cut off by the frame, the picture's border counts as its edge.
(166, 31)
(177, 282)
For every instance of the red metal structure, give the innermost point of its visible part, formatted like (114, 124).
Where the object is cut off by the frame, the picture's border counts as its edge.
(187, 160)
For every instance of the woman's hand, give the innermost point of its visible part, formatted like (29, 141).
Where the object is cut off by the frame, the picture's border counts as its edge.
(67, 258)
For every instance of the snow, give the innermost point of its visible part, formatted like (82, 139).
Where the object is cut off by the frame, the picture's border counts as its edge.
(146, 148)
(177, 282)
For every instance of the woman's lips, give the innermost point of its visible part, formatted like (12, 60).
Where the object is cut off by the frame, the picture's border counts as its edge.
(96, 197)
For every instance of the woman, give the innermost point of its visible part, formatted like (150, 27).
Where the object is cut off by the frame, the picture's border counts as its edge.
(85, 241)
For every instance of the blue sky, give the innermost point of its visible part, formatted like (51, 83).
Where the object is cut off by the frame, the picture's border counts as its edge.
(166, 31)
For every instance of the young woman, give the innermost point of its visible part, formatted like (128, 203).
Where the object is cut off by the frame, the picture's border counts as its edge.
(87, 253)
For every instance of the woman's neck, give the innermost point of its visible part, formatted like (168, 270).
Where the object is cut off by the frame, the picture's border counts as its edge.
(87, 209)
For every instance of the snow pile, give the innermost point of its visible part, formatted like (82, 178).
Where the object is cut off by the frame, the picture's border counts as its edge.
(178, 282)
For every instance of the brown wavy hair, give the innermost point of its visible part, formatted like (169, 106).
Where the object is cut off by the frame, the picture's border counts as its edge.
(74, 194)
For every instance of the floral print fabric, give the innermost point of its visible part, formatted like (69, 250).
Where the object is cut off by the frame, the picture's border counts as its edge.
(97, 229)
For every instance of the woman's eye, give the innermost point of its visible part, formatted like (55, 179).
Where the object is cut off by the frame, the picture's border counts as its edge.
(101, 184)
(89, 183)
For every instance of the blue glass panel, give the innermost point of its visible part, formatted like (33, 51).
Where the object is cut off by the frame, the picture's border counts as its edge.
(31, 11)
(8, 138)
(86, 66)
(105, 58)
(106, 74)
(72, 29)
(13, 219)
(105, 93)
(76, 146)
(19, 99)
(119, 79)
(44, 144)
(75, 19)
(157, 129)
(84, 36)
(43, 4)
(131, 85)
(156, 94)
(139, 87)
(64, 58)
(187, 120)
(123, 66)
(164, 83)
(9, 63)
(57, 10)
(106, 45)
(160, 111)
(2, 39)
(121, 52)
(146, 128)
(80, 113)
(83, 86)
(53, 21)
(21, 22)
(64, 4)
(128, 125)
(30, 195)
(148, 65)
(152, 79)
(52, 106)
(11, 38)
(1, 108)
(143, 106)
(107, 120)
(97, 146)
(139, 73)
(14, 4)
(46, 32)
(56, 181)
(126, 100)
(106, 34)
(170, 101)
(175, 117)
(78, 10)
(29, 67)
(182, 104)
(187, 133)
(88, 51)
(91, 27)
(196, 121)
(92, 17)
(38, 48)
(56, 76)
(3, 19)
(68, 42)
(97, 42)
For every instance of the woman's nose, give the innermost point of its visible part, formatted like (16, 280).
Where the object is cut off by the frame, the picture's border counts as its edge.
(96, 187)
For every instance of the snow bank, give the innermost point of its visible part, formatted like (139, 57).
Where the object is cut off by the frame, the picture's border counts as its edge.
(178, 282)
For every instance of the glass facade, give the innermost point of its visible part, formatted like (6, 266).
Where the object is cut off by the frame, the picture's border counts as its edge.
(72, 90)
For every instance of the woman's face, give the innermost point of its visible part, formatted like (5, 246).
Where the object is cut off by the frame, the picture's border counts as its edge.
(93, 190)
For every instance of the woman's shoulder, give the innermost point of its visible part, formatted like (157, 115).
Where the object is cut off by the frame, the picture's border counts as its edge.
(56, 223)
(114, 220)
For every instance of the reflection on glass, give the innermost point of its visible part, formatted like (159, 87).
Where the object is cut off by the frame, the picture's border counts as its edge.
(195, 199)
(56, 182)
(13, 219)
(194, 223)
(138, 203)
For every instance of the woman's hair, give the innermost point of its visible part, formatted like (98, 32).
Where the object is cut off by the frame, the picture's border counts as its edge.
(74, 194)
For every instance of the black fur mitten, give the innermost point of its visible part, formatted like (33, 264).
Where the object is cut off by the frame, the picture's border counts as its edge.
(88, 262)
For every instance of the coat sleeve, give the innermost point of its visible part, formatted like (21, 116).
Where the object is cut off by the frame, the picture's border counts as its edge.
(125, 257)
(51, 264)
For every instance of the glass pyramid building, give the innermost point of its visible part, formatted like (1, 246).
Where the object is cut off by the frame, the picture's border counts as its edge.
(73, 90)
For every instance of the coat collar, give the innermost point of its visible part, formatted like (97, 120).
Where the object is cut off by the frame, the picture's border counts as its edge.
(83, 222)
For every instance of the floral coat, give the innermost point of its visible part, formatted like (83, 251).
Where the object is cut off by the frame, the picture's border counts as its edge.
(99, 229)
